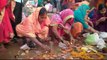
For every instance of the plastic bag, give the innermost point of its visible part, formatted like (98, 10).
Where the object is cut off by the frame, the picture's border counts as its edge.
(101, 43)
(103, 34)
(92, 39)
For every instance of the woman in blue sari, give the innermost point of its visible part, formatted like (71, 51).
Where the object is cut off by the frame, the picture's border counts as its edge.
(80, 14)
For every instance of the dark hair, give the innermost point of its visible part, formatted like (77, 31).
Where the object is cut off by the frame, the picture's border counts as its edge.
(64, 7)
(42, 11)
(78, 1)
(48, 1)
(101, 6)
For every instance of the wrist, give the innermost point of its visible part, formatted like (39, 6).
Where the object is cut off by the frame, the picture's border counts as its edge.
(61, 38)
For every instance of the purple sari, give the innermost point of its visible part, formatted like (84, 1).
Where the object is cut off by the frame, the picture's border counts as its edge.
(102, 26)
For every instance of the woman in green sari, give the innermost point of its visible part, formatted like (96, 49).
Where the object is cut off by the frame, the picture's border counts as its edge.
(80, 14)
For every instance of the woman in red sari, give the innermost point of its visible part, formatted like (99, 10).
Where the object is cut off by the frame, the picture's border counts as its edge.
(6, 32)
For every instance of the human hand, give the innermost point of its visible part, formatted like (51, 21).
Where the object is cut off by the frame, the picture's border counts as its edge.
(91, 23)
(60, 25)
(42, 32)
(13, 18)
(96, 31)
(46, 47)
(88, 11)
(72, 41)
(97, 22)
(102, 19)
(11, 35)
(66, 42)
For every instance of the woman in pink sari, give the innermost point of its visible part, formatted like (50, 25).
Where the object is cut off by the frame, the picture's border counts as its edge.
(6, 14)
(35, 26)
(63, 26)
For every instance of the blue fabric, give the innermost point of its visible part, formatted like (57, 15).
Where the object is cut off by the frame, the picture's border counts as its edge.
(80, 13)
(91, 14)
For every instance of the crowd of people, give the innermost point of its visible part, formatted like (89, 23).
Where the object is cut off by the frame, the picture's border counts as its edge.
(29, 21)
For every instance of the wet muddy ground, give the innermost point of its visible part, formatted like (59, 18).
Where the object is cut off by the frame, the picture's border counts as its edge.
(13, 51)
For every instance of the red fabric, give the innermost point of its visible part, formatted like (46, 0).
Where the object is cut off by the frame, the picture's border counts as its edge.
(2, 4)
(5, 25)
(9, 9)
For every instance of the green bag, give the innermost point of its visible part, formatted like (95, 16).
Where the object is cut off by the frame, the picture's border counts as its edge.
(91, 39)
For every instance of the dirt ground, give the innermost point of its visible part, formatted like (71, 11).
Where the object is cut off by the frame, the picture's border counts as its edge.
(13, 52)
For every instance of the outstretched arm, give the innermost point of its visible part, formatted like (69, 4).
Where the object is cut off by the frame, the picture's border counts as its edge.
(54, 29)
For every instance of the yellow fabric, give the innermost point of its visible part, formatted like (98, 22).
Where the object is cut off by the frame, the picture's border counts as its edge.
(68, 17)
